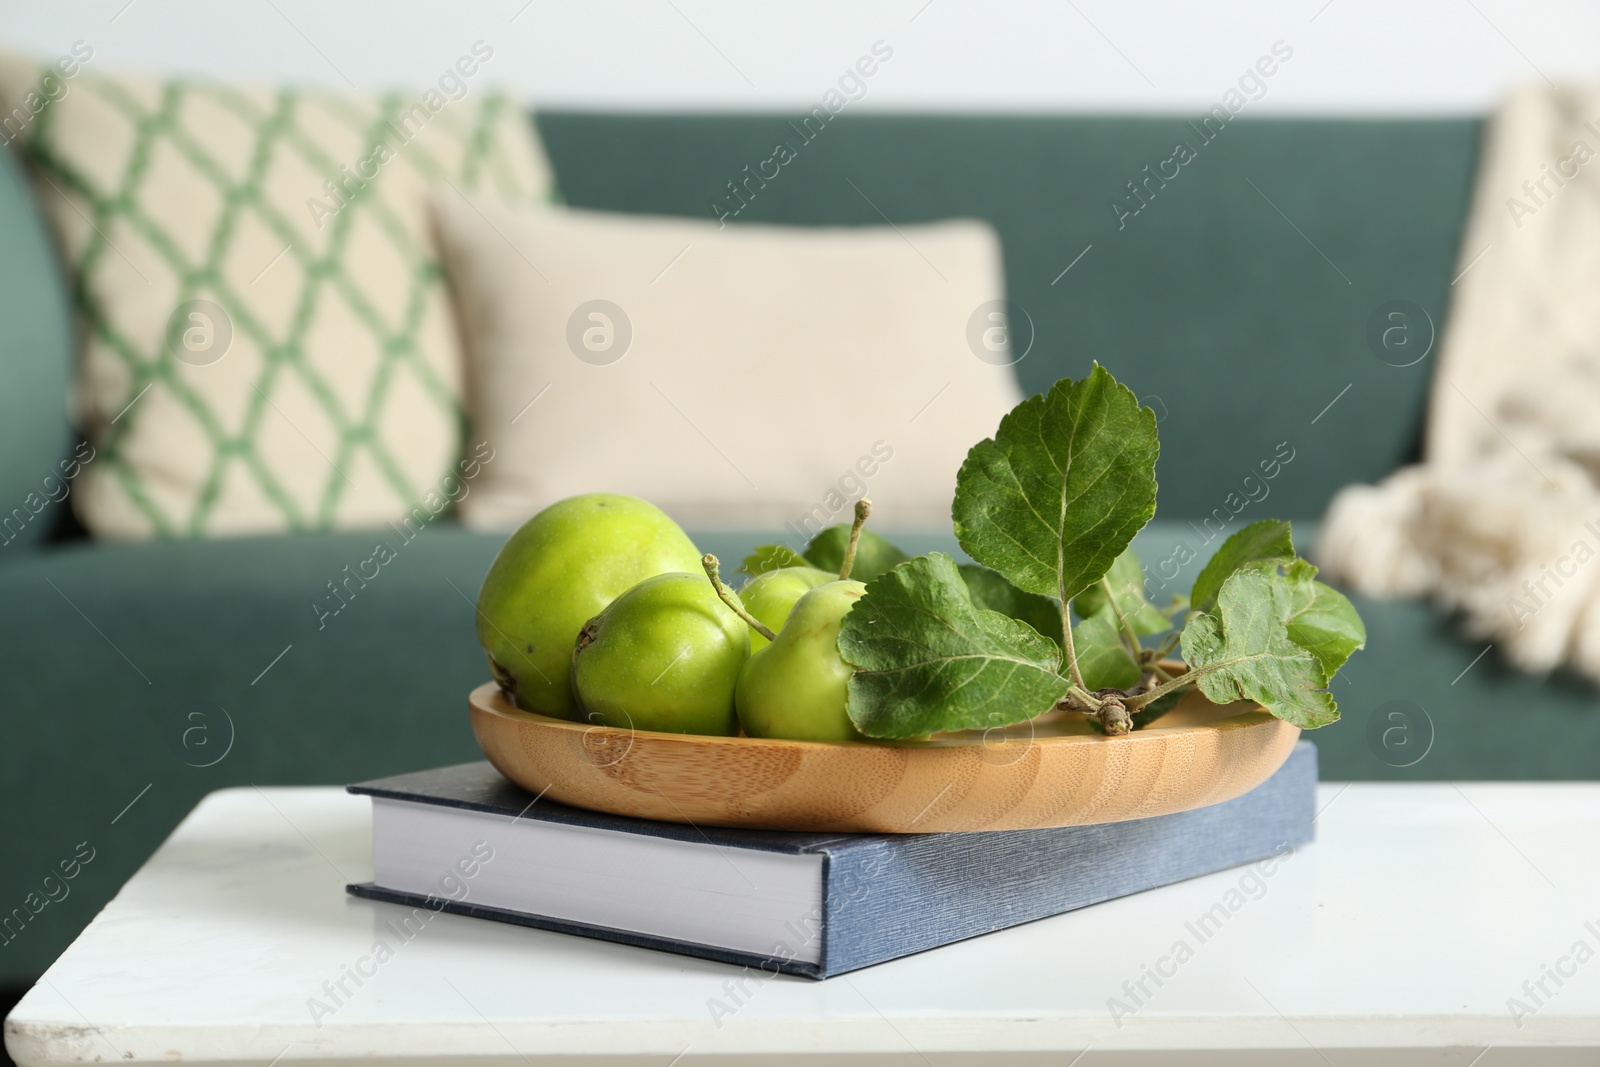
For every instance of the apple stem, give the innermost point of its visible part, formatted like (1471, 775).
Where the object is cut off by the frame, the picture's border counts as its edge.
(863, 509)
(730, 598)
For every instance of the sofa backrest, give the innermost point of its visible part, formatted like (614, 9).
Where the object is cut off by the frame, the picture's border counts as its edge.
(1235, 291)
(1235, 296)
(35, 365)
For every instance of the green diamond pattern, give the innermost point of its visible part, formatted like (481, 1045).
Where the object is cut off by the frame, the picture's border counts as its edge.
(258, 176)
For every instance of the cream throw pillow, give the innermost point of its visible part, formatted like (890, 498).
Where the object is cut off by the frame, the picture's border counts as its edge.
(748, 375)
(267, 344)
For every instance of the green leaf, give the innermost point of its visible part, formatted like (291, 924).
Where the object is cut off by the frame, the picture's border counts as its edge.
(1245, 650)
(766, 558)
(1102, 657)
(1059, 491)
(1322, 620)
(875, 555)
(928, 659)
(990, 590)
(1261, 541)
(1126, 596)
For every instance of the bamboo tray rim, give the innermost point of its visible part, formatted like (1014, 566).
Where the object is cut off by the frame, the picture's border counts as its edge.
(487, 697)
(1058, 771)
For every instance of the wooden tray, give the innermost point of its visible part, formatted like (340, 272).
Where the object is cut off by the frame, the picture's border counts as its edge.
(1051, 772)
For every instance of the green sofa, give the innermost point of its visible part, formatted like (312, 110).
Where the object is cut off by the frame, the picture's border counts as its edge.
(136, 678)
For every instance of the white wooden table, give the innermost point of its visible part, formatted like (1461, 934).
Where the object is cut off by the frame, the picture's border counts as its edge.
(1419, 917)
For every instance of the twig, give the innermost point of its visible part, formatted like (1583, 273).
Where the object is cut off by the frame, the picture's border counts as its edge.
(713, 571)
(1186, 678)
(1129, 637)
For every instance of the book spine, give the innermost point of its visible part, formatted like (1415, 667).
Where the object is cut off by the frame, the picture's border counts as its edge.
(898, 896)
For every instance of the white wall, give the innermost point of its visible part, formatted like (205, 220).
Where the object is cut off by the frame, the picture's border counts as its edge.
(1350, 56)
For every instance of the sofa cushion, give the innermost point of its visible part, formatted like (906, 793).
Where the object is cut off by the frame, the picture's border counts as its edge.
(1420, 691)
(190, 666)
(35, 362)
(267, 345)
(742, 375)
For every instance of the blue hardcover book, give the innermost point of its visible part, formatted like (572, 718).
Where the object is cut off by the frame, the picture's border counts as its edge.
(462, 839)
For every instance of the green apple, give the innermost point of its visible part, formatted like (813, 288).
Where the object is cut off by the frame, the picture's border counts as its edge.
(665, 655)
(772, 595)
(796, 687)
(558, 571)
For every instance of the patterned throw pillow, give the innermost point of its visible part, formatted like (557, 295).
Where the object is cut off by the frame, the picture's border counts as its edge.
(267, 344)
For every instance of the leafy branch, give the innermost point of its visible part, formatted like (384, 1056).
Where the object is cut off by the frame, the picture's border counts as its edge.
(1054, 615)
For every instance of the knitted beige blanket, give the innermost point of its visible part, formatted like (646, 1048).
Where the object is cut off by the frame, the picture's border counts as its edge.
(1501, 520)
